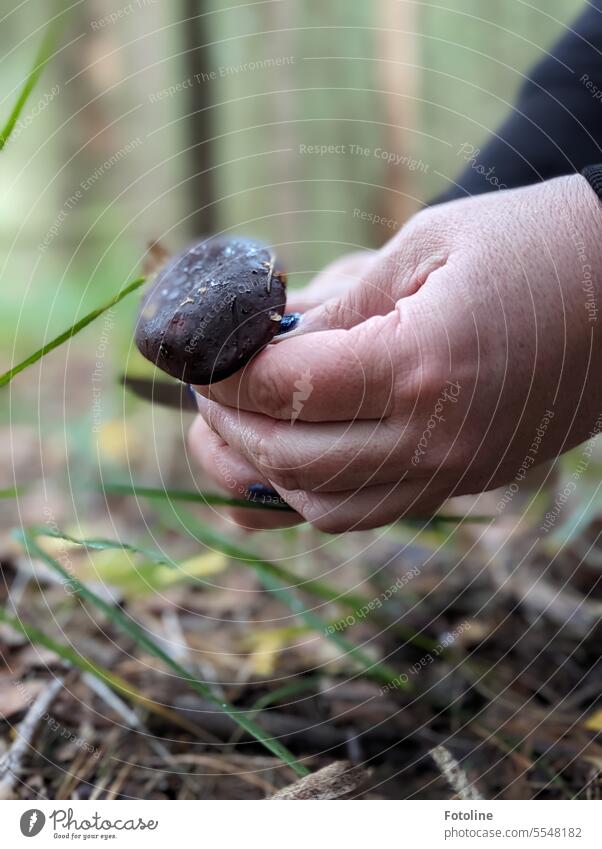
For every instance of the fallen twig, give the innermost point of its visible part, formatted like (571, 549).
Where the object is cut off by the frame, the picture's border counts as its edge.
(332, 782)
(11, 761)
(454, 774)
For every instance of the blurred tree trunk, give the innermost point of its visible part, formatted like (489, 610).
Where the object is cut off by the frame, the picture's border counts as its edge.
(397, 52)
(200, 120)
(281, 18)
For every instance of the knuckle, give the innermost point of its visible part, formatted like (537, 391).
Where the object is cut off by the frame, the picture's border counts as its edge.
(417, 382)
(270, 456)
(267, 396)
(288, 479)
(295, 472)
(340, 312)
(424, 232)
(415, 241)
(261, 448)
(413, 372)
(217, 420)
(275, 454)
(431, 376)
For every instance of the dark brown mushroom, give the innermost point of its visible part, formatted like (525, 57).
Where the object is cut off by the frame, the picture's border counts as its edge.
(212, 308)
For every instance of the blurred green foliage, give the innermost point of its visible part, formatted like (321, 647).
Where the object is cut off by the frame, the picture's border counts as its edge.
(97, 98)
(108, 151)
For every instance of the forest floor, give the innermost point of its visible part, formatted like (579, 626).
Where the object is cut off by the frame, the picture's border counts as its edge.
(483, 639)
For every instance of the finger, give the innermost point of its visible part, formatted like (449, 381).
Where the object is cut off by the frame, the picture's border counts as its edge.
(364, 509)
(233, 473)
(326, 457)
(333, 281)
(399, 269)
(224, 465)
(335, 376)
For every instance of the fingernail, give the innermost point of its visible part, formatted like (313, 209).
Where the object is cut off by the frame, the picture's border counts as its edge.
(201, 402)
(263, 494)
(289, 322)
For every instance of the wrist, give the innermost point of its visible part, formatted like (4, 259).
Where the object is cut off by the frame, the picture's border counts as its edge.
(583, 216)
(584, 219)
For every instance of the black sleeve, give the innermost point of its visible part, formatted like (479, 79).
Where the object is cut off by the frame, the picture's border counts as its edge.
(593, 175)
(556, 125)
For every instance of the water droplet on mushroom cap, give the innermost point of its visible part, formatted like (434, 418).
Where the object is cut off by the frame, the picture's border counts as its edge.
(211, 308)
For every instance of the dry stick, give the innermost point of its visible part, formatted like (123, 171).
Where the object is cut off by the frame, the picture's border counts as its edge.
(131, 718)
(332, 782)
(455, 775)
(11, 762)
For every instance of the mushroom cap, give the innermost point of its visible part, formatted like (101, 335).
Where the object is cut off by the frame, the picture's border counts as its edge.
(211, 308)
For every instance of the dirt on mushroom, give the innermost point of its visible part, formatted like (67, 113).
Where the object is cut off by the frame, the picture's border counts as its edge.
(212, 308)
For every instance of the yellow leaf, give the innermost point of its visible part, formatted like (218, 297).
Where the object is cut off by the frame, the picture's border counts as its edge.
(119, 568)
(118, 442)
(201, 566)
(594, 722)
(267, 645)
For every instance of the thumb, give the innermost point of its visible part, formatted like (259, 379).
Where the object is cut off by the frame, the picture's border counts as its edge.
(395, 271)
(349, 304)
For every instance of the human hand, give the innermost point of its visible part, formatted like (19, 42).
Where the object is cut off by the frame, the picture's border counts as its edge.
(471, 332)
(227, 466)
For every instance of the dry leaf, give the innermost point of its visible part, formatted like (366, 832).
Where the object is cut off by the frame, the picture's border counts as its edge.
(16, 695)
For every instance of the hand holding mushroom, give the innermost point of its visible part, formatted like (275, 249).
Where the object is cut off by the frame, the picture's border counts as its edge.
(429, 376)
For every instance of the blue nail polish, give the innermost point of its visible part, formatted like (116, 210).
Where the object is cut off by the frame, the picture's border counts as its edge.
(263, 494)
(288, 322)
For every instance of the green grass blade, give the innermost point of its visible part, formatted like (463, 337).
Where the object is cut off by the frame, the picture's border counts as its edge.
(128, 626)
(373, 669)
(286, 691)
(322, 590)
(219, 541)
(303, 685)
(283, 581)
(12, 492)
(272, 577)
(67, 334)
(97, 544)
(79, 661)
(41, 58)
(317, 588)
(37, 637)
(144, 577)
(210, 499)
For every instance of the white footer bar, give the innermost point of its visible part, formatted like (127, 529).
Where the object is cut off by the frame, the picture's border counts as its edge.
(303, 825)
